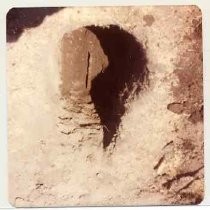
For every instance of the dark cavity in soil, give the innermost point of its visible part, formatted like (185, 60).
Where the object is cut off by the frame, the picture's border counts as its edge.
(121, 81)
(20, 18)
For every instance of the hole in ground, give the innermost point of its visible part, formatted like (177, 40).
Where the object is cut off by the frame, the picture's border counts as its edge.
(123, 78)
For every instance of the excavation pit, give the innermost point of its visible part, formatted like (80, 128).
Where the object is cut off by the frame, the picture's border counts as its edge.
(105, 66)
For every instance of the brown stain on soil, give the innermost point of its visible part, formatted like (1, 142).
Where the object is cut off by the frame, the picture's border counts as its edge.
(149, 20)
(188, 94)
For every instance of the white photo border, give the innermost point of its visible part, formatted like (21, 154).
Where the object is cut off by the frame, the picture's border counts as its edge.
(5, 6)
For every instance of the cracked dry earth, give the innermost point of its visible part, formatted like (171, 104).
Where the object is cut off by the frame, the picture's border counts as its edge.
(105, 106)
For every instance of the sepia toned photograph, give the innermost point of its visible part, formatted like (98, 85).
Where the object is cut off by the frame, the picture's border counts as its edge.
(105, 106)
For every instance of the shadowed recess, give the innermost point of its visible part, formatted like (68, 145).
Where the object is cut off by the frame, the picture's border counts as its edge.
(20, 18)
(121, 81)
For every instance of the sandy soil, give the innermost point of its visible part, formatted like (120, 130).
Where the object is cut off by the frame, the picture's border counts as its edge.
(157, 158)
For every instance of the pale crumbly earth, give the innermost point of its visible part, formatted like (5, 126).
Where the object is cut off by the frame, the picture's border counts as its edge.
(158, 156)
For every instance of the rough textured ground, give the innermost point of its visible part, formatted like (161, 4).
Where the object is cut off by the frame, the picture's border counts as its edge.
(56, 153)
